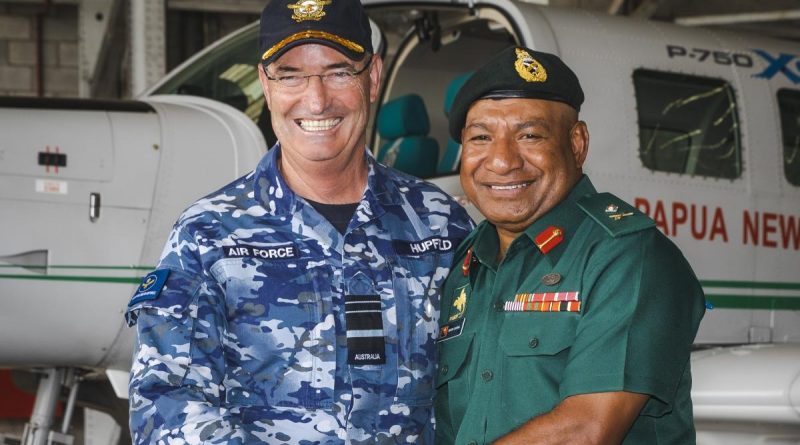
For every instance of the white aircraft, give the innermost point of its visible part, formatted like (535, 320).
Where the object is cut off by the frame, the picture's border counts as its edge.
(700, 129)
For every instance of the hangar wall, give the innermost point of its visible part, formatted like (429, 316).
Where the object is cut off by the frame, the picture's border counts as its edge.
(19, 57)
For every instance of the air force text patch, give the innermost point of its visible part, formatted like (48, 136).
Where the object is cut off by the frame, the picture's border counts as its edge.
(434, 244)
(278, 252)
(151, 286)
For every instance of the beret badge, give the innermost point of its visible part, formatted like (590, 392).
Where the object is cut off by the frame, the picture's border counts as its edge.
(308, 9)
(529, 68)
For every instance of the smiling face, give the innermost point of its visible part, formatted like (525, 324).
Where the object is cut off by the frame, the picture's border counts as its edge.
(316, 122)
(520, 158)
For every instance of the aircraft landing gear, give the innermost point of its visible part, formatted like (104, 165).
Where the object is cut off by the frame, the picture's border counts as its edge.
(39, 431)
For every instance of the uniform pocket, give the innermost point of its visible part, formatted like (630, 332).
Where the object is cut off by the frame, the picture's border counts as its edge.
(453, 356)
(417, 284)
(532, 334)
(535, 349)
(281, 351)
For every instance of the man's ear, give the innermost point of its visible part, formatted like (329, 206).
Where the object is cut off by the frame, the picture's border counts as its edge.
(375, 77)
(579, 141)
(262, 76)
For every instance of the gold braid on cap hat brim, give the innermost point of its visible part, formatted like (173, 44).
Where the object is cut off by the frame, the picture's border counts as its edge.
(353, 46)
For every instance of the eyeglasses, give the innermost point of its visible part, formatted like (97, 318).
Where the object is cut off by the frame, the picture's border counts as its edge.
(336, 79)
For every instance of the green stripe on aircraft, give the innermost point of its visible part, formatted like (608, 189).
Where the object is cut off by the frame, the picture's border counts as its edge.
(721, 301)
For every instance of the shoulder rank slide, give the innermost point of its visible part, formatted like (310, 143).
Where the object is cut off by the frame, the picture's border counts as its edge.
(616, 216)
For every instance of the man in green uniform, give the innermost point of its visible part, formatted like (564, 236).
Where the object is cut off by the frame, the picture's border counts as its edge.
(571, 317)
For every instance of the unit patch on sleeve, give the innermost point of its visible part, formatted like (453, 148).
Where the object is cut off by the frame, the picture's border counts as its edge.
(151, 286)
(276, 252)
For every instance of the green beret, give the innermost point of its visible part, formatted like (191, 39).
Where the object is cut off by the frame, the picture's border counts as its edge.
(517, 72)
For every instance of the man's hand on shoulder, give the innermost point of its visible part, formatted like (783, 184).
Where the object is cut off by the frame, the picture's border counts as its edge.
(598, 418)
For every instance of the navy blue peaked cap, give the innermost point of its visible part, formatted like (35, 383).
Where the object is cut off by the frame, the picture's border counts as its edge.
(340, 24)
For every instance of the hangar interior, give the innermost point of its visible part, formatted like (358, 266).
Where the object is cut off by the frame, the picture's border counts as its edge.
(117, 49)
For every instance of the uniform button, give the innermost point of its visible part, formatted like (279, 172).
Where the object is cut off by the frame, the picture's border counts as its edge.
(498, 306)
(472, 442)
(487, 375)
(533, 343)
(444, 369)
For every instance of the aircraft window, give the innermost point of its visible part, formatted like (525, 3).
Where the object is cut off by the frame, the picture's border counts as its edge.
(687, 124)
(789, 104)
(441, 55)
(228, 74)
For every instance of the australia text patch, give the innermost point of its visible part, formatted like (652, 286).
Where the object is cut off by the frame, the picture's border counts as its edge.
(151, 286)
(365, 341)
(279, 252)
(430, 245)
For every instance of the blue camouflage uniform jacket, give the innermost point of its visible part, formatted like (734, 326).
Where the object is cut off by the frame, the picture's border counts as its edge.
(264, 324)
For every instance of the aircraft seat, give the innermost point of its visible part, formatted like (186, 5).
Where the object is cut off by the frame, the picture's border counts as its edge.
(452, 152)
(403, 125)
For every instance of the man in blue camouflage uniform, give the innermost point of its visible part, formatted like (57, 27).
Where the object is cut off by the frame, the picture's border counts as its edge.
(300, 304)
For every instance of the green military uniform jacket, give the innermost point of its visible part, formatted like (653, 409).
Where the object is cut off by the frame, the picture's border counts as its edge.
(605, 302)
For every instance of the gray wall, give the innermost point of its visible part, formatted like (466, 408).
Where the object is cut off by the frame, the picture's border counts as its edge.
(18, 49)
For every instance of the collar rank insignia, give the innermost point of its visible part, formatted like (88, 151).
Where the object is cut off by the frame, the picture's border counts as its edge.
(529, 68)
(308, 9)
(611, 208)
(459, 304)
(549, 238)
(467, 260)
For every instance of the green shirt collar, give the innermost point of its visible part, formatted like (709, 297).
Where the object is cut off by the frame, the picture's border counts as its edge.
(566, 215)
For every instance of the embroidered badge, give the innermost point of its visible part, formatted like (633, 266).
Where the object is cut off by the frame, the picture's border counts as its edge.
(544, 302)
(549, 238)
(279, 252)
(308, 9)
(151, 286)
(366, 344)
(459, 304)
(434, 244)
(529, 68)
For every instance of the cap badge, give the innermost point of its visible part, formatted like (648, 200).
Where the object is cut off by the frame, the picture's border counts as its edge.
(611, 208)
(529, 68)
(308, 9)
